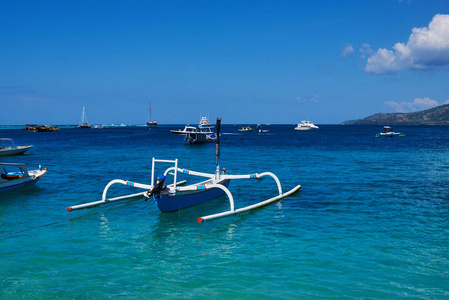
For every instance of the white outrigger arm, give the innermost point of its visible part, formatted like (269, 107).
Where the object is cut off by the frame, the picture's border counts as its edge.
(233, 211)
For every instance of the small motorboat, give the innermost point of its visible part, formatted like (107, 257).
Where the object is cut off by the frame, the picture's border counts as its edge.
(15, 176)
(389, 132)
(100, 126)
(175, 196)
(306, 125)
(8, 147)
(195, 135)
(244, 129)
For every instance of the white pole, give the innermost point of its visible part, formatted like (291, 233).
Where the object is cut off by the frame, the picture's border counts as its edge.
(176, 173)
(152, 171)
(247, 208)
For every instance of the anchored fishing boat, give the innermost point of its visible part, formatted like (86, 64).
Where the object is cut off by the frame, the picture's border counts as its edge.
(8, 147)
(15, 176)
(389, 132)
(201, 134)
(178, 195)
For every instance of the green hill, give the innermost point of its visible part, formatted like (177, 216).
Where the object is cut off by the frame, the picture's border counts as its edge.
(435, 116)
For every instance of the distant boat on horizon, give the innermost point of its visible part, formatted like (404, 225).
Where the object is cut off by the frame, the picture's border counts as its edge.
(306, 125)
(245, 129)
(150, 122)
(197, 135)
(83, 121)
(389, 132)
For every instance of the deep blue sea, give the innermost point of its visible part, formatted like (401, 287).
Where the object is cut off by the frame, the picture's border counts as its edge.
(370, 221)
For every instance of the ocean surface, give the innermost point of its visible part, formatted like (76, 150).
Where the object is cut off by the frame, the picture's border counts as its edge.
(370, 221)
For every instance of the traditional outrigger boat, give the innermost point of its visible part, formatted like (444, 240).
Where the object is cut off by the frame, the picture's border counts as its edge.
(8, 147)
(15, 176)
(176, 195)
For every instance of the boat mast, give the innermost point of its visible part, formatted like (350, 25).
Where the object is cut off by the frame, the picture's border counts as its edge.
(83, 116)
(217, 148)
(149, 112)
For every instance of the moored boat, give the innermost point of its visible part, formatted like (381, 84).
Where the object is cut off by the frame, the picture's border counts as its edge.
(8, 147)
(176, 196)
(389, 132)
(47, 128)
(31, 127)
(83, 122)
(151, 122)
(306, 125)
(15, 176)
(202, 134)
(244, 129)
(100, 126)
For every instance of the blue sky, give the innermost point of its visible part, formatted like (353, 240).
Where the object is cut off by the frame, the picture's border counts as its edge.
(245, 61)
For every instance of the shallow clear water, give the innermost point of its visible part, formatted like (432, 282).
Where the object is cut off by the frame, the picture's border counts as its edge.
(371, 219)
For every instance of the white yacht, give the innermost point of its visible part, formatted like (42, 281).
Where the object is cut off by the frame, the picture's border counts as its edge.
(201, 134)
(306, 125)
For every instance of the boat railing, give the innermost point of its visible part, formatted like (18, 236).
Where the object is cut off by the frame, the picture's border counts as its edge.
(10, 141)
(166, 172)
(256, 176)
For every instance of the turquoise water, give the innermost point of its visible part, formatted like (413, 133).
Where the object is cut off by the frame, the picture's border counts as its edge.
(371, 219)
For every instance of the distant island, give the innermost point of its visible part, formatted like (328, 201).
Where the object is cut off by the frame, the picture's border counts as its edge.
(435, 116)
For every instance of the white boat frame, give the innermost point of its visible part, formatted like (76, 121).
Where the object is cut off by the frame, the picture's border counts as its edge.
(176, 188)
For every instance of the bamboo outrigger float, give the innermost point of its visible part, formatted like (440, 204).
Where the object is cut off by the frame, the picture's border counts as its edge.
(176, 196)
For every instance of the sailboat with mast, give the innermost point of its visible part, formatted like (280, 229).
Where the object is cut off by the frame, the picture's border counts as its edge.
(83, 121)
(151, 123)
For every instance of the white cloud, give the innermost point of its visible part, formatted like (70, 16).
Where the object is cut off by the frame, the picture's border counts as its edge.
(366, 50)
(415, 105)
(347, 51)
(427, 48)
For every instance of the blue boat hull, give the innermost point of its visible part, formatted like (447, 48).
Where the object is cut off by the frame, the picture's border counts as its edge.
(170, 203)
